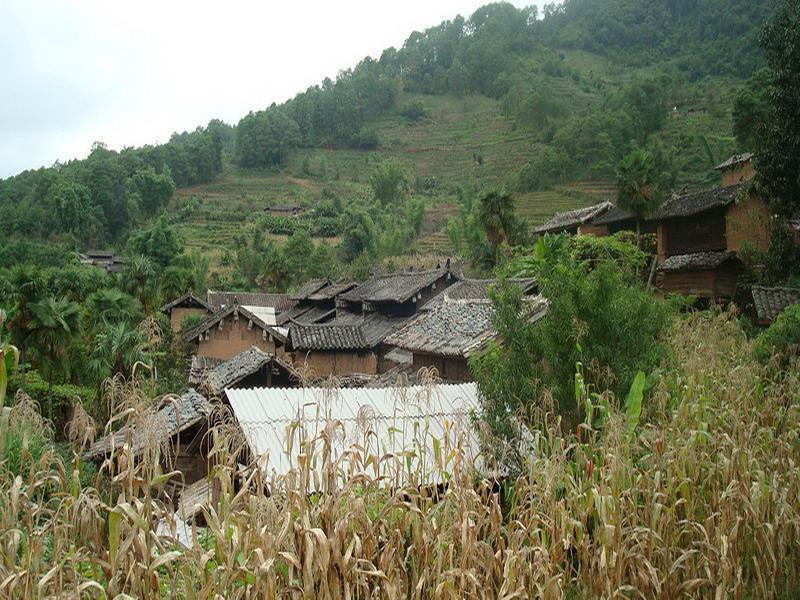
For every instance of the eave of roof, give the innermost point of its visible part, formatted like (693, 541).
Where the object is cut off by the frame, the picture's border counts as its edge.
(188, 296)
(572, 218)
(687, 205)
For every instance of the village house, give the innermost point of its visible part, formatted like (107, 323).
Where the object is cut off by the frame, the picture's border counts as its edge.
(187, 305)
(232, 330)
(182, 420)
(396, 294)
(278, 302)
(251, 368)
(315, 301)
(285, 210)
(702, 235)
(456, 324)
(104, 259)
(349, 344)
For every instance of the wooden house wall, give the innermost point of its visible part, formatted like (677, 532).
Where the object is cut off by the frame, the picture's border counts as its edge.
(706, 284)
(450, 368)
(342, 362)
(233, 338)
(698, 233)
(177, 315)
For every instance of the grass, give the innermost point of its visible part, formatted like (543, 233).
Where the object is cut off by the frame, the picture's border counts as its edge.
(699, 501)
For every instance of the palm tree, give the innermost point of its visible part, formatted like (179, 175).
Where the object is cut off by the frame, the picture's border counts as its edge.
(498, 218)
(116, 349)
(53, 326)
(140, 279)
(26, 285)
(108, 306)
(637, 191)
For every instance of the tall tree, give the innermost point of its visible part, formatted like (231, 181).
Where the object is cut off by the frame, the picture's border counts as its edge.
(637, 191)
(497, 215)
(778, 156)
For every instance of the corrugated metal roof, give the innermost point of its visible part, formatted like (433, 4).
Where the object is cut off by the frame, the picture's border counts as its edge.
(391, 420)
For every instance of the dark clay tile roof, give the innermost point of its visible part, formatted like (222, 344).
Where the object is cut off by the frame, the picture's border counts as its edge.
(475, 289)
(613, 215)
(228, 373)
(454, 327)
(734, 160)
(191, 407)
(305, 314)
(187, 300)
(326, 337)
(772, 301)
(687, 205)
(397, 287)
(573, 218)
(217, 300)
(329, 292)
(699, 261)
(347, 332)
(308, 288)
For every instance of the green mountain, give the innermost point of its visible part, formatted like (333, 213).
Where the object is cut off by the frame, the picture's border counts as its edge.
(543, 105)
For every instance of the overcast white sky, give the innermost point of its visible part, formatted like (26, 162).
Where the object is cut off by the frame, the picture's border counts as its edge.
(73, 72)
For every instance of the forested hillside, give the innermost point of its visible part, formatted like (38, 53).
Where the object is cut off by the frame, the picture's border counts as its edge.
(541, 105)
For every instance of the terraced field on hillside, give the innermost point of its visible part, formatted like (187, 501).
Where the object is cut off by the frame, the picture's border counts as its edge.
(462, 141)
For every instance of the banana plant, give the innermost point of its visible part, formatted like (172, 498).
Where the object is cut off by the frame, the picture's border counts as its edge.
(9, 356)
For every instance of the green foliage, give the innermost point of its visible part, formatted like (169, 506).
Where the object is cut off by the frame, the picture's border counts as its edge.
(597, 317)
(52, 325)
(751, 109)
(154, 189)
(551, 165)
(637, 189)
(589, 250)
(190, 321)
(778, 150)
(265, 138)
(58, 397)
(359, 234)
(414, 111)
(390, 182)
(782, 338)
(365, 139)
(159, 243)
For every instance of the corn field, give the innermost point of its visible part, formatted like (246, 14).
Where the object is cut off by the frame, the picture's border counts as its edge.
(701, 500)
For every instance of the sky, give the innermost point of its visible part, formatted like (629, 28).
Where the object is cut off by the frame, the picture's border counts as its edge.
(73, 72)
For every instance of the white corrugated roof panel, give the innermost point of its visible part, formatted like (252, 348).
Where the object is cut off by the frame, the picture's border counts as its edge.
(431, 425)
(265, 313)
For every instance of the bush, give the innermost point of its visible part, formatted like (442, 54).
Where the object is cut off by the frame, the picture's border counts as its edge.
(366, 139)
(782, 338)
(414, 111)
(597, 317)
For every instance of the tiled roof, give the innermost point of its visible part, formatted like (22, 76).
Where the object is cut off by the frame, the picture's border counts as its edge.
(218, 316)
(699, 261)
(305, 315)
(613, 215)
(475, 289)
(691, 204)
(192, 408)
(417, 424)
(397, 287)
(200, 367)
(308, 288)
(234, 370)
(454, 327)
(188, 299)
(217, 300)
(329, 292)
(734, 160)
(573, 218)
(326, 337)
(772, 301)
(347, 332)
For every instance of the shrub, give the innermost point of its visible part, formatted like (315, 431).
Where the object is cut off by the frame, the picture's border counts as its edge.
(782, 338)
(414, 111)
(597, 317)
